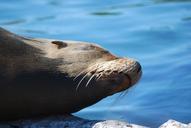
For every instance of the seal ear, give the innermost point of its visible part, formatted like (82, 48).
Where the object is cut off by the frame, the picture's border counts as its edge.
(59, 44)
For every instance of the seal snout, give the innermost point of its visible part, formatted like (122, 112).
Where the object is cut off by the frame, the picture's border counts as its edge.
(128, 73)
(132, 70)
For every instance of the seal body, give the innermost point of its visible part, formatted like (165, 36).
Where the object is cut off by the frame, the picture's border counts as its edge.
(40, 77)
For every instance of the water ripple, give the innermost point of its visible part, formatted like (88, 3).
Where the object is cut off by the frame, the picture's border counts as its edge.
(105, 13)
(13, 22)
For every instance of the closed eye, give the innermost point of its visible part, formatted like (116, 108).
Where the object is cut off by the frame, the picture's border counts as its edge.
(60, 44)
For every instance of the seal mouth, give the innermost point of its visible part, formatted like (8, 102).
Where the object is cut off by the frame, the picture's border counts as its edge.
(129, 78)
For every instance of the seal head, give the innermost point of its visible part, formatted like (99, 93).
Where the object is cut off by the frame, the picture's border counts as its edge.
(48, 77)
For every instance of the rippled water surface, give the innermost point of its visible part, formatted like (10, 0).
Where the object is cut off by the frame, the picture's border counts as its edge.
(156, 32)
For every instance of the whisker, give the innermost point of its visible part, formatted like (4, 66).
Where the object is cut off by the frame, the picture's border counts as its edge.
(90, 79)
(99, 77)
(118, 98)
(81, 81)
(125, 92)
(122, 94)
(79, 74)
(84, 71)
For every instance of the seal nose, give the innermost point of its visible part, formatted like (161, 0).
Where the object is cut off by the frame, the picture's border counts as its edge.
(133, 70)
(139, 69)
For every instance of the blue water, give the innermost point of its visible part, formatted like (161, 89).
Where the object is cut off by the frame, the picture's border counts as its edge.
(155, 32)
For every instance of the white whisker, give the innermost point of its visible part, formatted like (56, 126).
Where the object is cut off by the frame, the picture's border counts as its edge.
(79, 74)
(90, 80)
(81, 81)
(125, 92)
(99, 76)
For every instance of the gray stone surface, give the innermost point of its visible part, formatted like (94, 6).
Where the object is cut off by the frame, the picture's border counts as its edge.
(189, 125)
(115, 124)
(70, 121)
(67, 122)
(174, 124)
(51, 122)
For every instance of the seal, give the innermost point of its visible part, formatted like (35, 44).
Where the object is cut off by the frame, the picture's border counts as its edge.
(41, 77)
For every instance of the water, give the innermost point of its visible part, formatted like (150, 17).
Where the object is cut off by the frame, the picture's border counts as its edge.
(156, 32)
